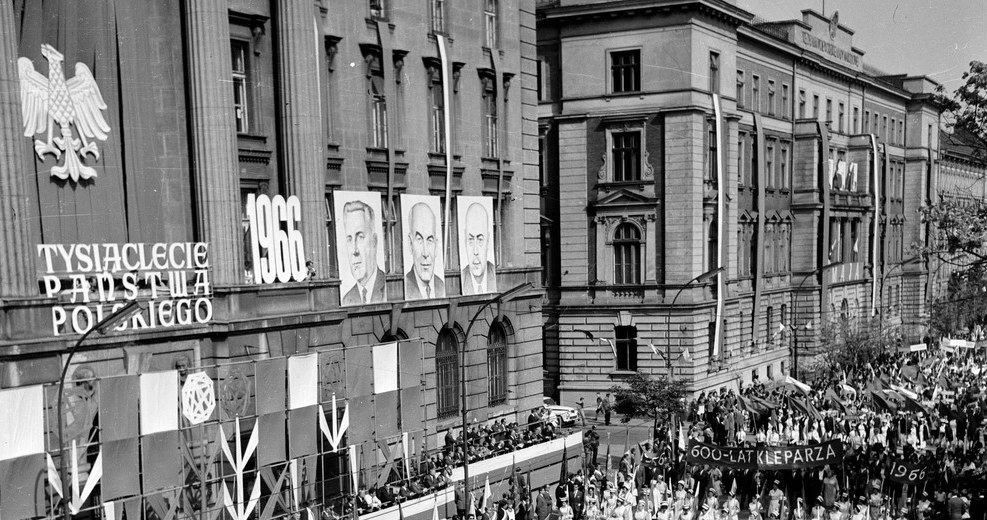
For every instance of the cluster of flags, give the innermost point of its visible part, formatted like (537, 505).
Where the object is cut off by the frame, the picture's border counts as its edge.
(686, 355)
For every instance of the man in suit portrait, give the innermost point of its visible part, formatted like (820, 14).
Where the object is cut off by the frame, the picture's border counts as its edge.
(479, 276)
(361, 248)
(421, 281)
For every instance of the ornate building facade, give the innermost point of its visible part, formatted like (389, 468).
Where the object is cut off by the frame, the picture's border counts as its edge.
(709, 228)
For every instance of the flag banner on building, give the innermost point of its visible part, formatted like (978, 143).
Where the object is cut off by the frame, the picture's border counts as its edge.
(360, 247)
(791, 457)
(478, 270)
(907, 472)
(424, 249)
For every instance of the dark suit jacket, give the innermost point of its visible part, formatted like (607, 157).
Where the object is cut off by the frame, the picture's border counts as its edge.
(352, 297)
(411, 291)
(466, 280)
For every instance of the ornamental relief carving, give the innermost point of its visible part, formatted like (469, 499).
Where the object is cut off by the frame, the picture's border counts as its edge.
(601, 174)
(649, 171)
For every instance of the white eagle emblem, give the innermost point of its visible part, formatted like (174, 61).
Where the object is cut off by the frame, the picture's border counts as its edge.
(51, 100)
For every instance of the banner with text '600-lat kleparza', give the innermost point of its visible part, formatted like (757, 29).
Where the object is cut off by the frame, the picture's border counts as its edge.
(767, 457)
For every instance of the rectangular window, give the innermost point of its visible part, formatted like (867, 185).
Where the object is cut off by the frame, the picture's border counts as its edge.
(241, 82)
(856, 120)
(801, 103)
(437, 10)
(785, 111)
(377, 9)
(839, 117)
(378, 104)
(854, 241)
(756, 93)
(740, 161)
(884, 131)
(769, 329)
(625, 71)
(711, 153)
(901, 132)
(877, 123)
(626, 155)
(815, 107)
(740, 88)
(769, 167)
(490, 131)
(866, 122)
(771, 97)
(714, 72)
(490, 19)
(783, 167)
(626, 347)
(829, 110)
(437, 116)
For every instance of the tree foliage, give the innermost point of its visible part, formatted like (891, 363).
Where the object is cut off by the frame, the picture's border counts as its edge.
(966, 109)
(849, 343)
(966, 305)
(644, 396)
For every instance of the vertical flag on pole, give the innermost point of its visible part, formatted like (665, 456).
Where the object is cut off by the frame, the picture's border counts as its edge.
(485, 502)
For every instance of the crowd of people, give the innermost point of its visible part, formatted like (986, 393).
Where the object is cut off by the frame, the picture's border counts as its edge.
(925, 410)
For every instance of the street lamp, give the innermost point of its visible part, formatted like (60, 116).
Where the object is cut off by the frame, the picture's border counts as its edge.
(505, 296)
(795, 329)
(702, 278)
(105, 325)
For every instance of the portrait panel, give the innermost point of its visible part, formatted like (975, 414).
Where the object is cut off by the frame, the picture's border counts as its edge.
(359, 247)
(424, 265)
(476, 245)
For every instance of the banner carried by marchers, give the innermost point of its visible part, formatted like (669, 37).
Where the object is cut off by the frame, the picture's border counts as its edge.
(907, 472)
(774, 458)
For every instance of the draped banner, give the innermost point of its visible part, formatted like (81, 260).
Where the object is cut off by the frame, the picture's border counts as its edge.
(789, 457)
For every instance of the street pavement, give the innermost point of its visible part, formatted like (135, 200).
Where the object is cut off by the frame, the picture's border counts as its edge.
(619, 435)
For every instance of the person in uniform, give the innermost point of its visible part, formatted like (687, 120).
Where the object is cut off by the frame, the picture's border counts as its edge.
(663, 513)
(754, 509)
(732, 507)
(775, 499)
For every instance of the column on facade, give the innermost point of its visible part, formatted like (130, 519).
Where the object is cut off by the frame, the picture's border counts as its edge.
(650, 249)
(300, 122)
(604, 265)
(16, 271)
(214, 137)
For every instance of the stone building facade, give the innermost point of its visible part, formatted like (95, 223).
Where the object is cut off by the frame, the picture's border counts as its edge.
(717, 187)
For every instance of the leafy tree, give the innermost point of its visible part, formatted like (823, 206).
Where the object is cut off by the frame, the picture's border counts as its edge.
(644, 396)
(849, 343)
(966, 110)
(966, 305)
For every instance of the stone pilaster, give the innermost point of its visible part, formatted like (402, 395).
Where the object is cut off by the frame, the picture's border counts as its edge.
(299, 124)
(214, 150)
(17, 253)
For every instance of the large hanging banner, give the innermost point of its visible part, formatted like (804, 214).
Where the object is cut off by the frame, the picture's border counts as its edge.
(359, 246)
(789, 457)
(476, 254)
(424, 265)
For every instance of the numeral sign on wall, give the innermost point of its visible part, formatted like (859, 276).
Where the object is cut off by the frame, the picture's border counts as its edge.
(275, 241)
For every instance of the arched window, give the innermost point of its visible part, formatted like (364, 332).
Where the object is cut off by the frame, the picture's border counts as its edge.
(845, 310)
(447, 373)
(627, 254)
(497, 365)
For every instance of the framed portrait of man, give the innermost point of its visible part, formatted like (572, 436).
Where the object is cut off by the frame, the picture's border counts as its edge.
(476, 245)
(424, 265)
(359, 247)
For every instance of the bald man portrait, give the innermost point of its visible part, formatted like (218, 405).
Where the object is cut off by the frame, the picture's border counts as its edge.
(360, 242)
(479, 275)
(421, 281)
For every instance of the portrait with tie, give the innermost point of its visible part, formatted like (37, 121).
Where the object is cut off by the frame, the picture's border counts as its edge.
(424, 264)
(359, 247)
(476, 245)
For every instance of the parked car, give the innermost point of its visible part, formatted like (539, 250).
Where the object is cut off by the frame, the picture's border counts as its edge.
(560, 415)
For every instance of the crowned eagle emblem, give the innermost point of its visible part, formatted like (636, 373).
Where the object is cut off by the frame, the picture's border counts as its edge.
(51, 101)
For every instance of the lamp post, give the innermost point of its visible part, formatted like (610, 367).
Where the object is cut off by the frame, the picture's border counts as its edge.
(105, 325)
(795, 329)
(668, 319)
(505, 296)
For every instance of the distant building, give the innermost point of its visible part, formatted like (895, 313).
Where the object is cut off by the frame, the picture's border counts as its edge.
(657, 168)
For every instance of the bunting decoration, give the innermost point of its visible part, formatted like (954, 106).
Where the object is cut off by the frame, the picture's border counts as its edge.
(240, 510)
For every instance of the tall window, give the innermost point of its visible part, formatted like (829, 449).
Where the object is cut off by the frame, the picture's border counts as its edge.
(768, 257)
(490, 19)
(497, 365)
(625, 70)
(769, 329)
(438, 12)
(839, 117)
(447, 373)
(866, 122)
(771, 97)
(239, 52)
(769, 167)
(740, 88)
(711, 153)
(712, 245)
(437, 112)
(330, 237)
(756, 93)
(378, 103)
(626, 156)
(854, 241)
(740, 161)
(783, 167)
(490, 132)
(856, 120)
(785, 109)
(626, 347)
(801, 103)
(714, 72)
(377, 9)
(829, 110)
(884, 133)
(815, 107)
(627, 254)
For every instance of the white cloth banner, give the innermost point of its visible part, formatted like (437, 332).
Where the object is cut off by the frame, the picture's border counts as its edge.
(22, 428)
(385, 368)
(159, 402)
(303, 381)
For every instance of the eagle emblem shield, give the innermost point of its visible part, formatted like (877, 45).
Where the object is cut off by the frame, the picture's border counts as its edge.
(51, 101)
